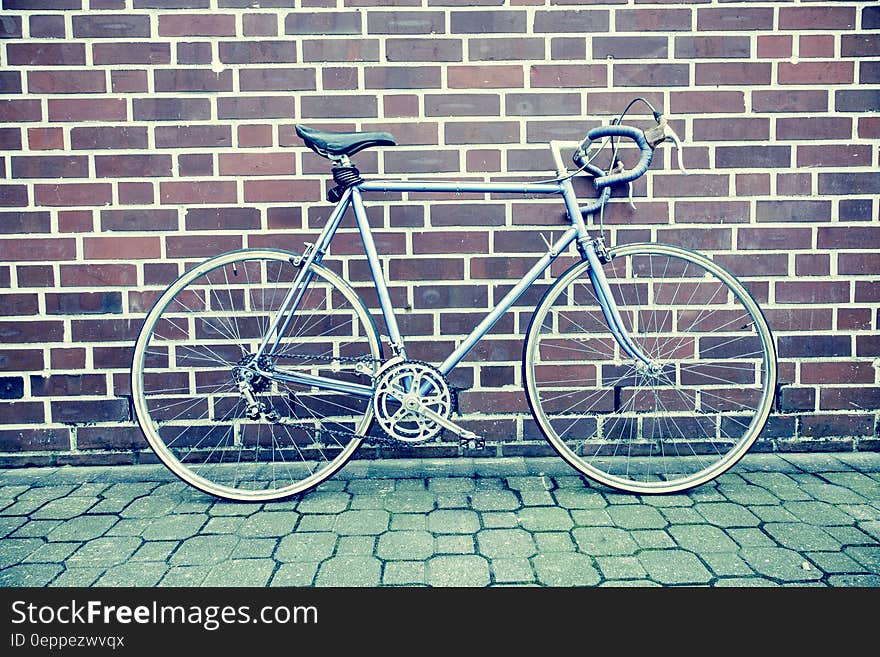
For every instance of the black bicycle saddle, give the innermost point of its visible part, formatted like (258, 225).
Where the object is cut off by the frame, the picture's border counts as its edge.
(327, 143)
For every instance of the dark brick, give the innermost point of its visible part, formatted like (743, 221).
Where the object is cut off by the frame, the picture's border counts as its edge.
(193, 79)
(139, 220)
(849, 183)
(111, 27)
(87, 411)
(727, 19)
(406, 22)
(10, 82)
(132, 166)
(568, 75)
(482, 132)
(131, 53)
(813, 346)
(848, 237)
(819, 127)
(827, 426)
(24, 222)
(46, 54)
(712, 47)
(402, 77)
(871, 18)
(817, 18)
(542, 104)
(11, 387)
(856, 210)
(625, 47)
(10, 28)
(260, 107)
(752, 157)
(467, 214)
(462, 105)
(422, 50)
(66, 82)
(486, 22)
(420, 161)
(857, 100)
(84, 303)
(588, 21)
(277, 79)
(171, 109)
(860, 45)
(10, 139)
(50, 166)
(652, 20)
(34, 439)
(795, 100)
(257, 52)
(335, 107)
(651, 75)
(333, 22)
(194, 53)
(786, 211)
(567, 48)
(730, 73)
(345, 50)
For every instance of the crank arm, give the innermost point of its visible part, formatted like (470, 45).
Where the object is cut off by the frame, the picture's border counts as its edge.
(447, 424)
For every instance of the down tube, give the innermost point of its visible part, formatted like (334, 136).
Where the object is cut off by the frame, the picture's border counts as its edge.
(509, 299)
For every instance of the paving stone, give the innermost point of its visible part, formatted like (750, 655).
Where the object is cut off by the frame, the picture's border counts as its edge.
(726, 514)
(408, 521)
(200, 550)
(107, 551)
(174, 527)
(778, 484)
(494, 500)
(10, 524)
(681, 516)
(223, 525)
(859, 581)
(64, 508)
(861, 511)
(443, 521)
(254, 548)
(52, 552)
(801, 537)
(410, 483)
(31, 574)
(579, 498)
(510, 570)
(185, 576)
(848, 535)
(349, 571)
(404, 573)
(768, 513)
(532, 484)
(820, 513)
(405, 545)
(706, 493)
(409, 501)
(300, 573)
(674, 567)
(636, 517)
(241, 572)
(110, 505)
(453, 501)
(36, 528)
(496, 543)
(835, 562)
(868, 556)
(872, 528)
(321, 502)
(554, 542)
(458, 570)
(367, 502)
(92, 489)
(545, 519)
(312, 546)
(621, 499)
(667, 501)
(833, 494)
(82, 528)
(269, 523)
(316, 523)
(565, 569)
(129, 527)
(361, 522)
(652, 538)
(356, 545)
(750, 537)
(154, 551)
(133, 574)
(604, 541)
(779, 563)
(726, 564)
(743, 582)
(377, 487)
(223, 508)
(77, 577)
(748, 495)
(43, 494)
(858, 482)
(621, 567)
(591, 517)
(150, 507)
(702, 538)
(498, 519)
(450, 484)
(536, 498)
(629, 583)
(454, 544)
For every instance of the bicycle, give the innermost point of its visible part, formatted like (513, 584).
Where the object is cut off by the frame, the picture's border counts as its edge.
(648, 367)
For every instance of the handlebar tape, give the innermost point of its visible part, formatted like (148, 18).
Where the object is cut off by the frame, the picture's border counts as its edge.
(623, 131)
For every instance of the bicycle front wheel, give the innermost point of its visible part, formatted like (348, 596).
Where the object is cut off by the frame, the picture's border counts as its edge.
(208, 415)
(678, 422)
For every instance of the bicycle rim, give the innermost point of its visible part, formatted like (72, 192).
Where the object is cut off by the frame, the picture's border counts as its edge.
(651, 430)
(195, 345)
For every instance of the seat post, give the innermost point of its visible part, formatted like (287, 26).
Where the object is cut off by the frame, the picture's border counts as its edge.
(345, 175)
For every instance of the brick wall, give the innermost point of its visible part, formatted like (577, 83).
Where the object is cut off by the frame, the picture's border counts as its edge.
(140, 135)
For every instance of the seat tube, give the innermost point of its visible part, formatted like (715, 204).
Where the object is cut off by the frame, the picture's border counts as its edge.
(375, 265)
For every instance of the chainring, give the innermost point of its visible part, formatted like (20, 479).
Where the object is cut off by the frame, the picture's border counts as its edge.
(404, 385)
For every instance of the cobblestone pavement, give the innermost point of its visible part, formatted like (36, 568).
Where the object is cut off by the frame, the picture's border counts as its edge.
(802, 520)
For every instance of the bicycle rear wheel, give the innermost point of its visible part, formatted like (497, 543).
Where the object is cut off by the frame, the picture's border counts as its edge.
(642, 429)
(197, 345)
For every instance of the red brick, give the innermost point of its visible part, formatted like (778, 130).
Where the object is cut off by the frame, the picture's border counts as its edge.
(204, 191)
(812, 264)
(108, 137)
(129, 82)
(193, 136)
(46, 54)
(202, 245)
(818, 127)
(816, 45)
(774, 46)
(39, 250)
(98, 275)
(353, 50)
(568, 75)
(254, 135)
(73, 194)
(734, 74)
(131, 53)
(277, 79)
(50, 166)
(128, 248)
(824, 73)
(652, 20)
(707, 102)
(263, 164)
(182, 25)
(817, 18)
(132, 166)
(834, 156)
(771, 239)
(813, 292)
(259, 24)
(283, 191)
(75, 221)
(257, 52)
(83, 109)
(795, 100)
(189, 79)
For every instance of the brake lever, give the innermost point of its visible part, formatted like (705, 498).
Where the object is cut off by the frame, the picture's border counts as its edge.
(669, 135)
(663, 132)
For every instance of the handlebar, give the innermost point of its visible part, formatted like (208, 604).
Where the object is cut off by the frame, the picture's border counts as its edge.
(637, 136)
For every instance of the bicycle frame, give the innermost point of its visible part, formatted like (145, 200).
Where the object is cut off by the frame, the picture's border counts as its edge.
(352, 198)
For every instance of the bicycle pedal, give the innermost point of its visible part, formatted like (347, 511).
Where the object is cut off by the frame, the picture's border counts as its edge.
(472, 443)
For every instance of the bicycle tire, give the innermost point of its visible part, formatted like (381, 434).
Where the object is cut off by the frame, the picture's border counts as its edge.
(641, 430)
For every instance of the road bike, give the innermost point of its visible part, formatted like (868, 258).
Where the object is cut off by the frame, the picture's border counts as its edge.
(648, 367)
